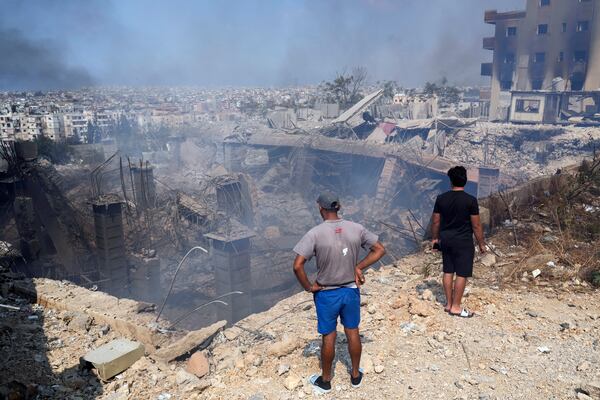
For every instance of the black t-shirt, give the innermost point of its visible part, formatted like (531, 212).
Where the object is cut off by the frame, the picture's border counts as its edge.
(456, 208)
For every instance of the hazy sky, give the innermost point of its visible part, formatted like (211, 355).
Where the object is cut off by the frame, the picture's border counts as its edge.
(46, 44)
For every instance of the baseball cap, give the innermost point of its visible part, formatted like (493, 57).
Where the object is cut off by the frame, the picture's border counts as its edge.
(329, 201)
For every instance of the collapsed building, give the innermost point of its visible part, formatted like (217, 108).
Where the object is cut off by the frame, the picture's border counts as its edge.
(546, 63)
(241, 198)
(123, 225)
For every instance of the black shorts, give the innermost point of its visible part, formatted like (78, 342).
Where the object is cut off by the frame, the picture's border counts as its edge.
(458, 259)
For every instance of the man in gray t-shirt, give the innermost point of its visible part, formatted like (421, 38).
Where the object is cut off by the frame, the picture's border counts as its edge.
(336, 245)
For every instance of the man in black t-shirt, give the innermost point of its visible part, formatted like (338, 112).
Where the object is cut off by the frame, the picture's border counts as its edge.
(455, 219)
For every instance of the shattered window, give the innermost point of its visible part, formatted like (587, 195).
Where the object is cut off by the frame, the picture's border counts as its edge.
(583, 26)
(511, 31)
(542, 29)
(505, 85)
(528, 106)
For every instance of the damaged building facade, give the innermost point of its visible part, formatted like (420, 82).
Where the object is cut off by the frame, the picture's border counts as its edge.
(552, 46)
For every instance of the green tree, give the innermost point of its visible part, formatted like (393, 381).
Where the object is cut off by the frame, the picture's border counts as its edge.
(447, 94)
(390, 89)
(345, 89)
(94, 133)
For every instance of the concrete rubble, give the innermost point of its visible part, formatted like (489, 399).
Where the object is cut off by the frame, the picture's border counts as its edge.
(114, 357)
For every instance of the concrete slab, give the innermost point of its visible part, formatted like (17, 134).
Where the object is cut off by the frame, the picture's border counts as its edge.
(115, 357)
(189, 342)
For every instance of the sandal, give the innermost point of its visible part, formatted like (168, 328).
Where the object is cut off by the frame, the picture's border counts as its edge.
(463, 314)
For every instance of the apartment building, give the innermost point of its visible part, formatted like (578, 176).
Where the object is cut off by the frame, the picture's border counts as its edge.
(552, 45)
(75, 124)
(52, 126)
(7, 130)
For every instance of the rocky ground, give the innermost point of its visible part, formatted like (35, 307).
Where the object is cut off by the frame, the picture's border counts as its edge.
(530, 339)
(534, 335)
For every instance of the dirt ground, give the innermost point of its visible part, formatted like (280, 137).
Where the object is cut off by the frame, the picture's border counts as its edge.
(533, 339)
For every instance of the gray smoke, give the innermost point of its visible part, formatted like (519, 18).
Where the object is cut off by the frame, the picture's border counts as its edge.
(26, 64)
(241, 42)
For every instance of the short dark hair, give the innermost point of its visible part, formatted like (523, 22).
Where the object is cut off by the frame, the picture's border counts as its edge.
(458, 176)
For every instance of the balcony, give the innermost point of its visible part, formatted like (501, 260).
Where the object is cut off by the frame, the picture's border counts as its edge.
(487, 69)
(490, 16)
(489, 43)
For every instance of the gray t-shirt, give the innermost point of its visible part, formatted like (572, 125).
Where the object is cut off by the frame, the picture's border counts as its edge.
(336, 244)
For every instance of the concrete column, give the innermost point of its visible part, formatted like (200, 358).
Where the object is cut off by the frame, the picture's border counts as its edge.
(26, 226)
(303, 167)
(233, 198)
(110, 245)
(233, 155)
(231, 261)
(592, 81)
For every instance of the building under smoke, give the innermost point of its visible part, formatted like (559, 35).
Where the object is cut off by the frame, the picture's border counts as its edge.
(554, 45)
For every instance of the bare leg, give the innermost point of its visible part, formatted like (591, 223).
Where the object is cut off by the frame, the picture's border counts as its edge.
(459, 288)
(327, 355)
(448, 280)
(354, 348)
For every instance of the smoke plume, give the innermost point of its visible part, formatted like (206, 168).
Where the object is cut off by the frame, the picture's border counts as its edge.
(26, 64)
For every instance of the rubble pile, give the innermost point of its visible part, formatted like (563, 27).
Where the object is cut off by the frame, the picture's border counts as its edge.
(522, 152)
(534, 333)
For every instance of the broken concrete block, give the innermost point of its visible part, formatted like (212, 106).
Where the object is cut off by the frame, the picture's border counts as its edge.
(284, 347)
(189, 342)
(115, 357)
(81, 322)
(197, 365)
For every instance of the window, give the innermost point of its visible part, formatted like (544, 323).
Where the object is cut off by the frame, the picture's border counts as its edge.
(544, 3)
(561, 56)
(542, 29)
(539, 58)
(528, 106)
(580, 56)
(564, 27)
(511, 31)
(505, 85)
(583, 26)
(509, 58)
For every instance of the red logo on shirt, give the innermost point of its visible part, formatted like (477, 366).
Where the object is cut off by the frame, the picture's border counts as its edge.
(338, 230)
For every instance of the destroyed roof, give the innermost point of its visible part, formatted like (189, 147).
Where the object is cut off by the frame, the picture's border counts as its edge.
(363, 148)
(359, 107)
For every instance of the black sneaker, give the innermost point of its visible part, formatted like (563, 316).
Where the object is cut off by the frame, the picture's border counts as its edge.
(356, 382)
(319, 385)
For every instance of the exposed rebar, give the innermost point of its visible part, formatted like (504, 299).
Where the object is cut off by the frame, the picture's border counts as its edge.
(175, 276)
(215, 300)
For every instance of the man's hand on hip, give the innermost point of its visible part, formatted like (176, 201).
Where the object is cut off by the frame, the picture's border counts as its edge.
(315, 287)
(359, 277)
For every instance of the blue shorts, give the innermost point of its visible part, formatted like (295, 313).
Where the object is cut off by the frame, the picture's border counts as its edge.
(342, 302)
